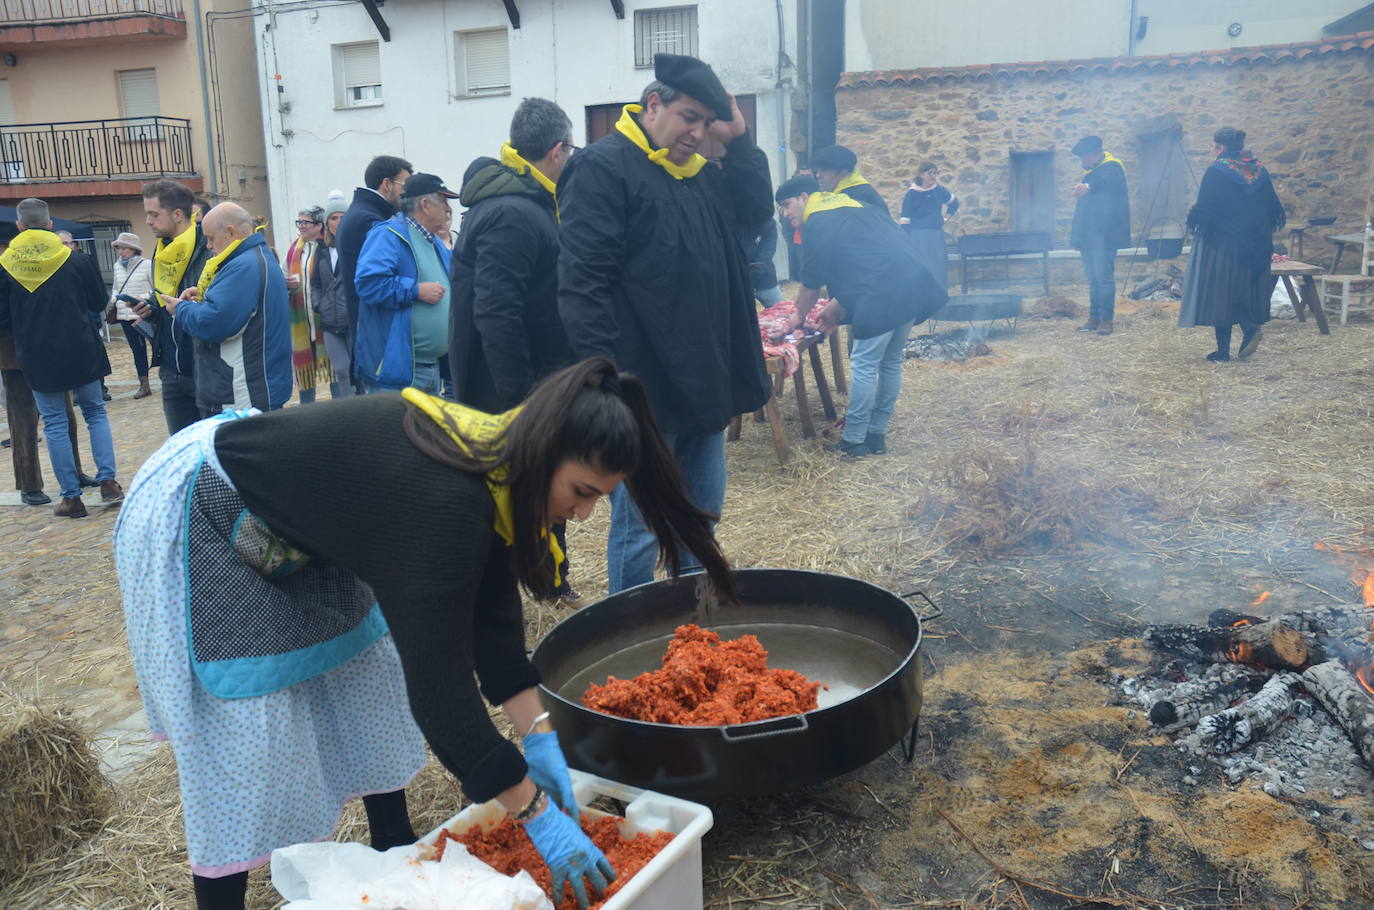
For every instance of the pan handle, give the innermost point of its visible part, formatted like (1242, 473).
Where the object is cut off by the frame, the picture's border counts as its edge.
(921, 594)
(792, 723)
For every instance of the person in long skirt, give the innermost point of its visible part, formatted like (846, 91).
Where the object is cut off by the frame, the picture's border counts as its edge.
(298, 647)
(923, 218)
(1236, 215)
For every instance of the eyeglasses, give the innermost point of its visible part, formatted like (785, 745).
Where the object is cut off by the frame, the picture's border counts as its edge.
(305, 222)
(571, 148)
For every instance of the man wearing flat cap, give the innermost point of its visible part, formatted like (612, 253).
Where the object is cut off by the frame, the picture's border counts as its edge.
(650, 275)
(403, 292)
(1101, 226)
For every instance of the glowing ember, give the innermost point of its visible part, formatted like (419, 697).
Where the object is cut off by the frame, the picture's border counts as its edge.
(1368, 590)
(1261, 599)
(1366, 677)
(1239, 652)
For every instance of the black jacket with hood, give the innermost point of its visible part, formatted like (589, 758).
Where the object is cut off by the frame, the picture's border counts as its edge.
(504, 330)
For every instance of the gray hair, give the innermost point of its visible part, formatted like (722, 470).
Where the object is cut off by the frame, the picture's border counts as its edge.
(32, 213)
(313, 212)
(538, 125)
(666, 93)
(410, 203)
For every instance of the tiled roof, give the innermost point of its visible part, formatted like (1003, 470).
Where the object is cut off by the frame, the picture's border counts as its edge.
(1267, 53)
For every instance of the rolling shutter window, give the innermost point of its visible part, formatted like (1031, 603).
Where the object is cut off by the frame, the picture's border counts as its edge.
(360, 69)
(138, 93)
(486, 62)
(665, 31)
(6, 104)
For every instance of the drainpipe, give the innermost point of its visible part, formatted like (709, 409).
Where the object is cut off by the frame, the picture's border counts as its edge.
(205, 100)
(780, 91)
(1130, 34)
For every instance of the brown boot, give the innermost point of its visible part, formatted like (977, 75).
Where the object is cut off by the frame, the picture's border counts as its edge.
(143, 390)
(1089, 326)
(70, 508)
(1104, 327)
(111, 491)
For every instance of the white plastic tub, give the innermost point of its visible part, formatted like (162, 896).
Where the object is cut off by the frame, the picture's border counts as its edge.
(671, 880)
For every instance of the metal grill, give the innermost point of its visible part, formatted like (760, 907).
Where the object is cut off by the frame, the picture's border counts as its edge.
(665, 31)
(23, 11)
(96, 150)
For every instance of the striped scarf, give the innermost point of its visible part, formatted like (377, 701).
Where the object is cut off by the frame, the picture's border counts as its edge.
(308, 359)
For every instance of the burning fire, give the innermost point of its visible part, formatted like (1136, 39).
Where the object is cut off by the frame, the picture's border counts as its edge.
(1366, 677)
(1361, 572)
(1261, 599)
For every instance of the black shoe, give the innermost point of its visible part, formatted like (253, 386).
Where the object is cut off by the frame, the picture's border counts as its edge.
(848, 449)
(1219, 357)
(89, 481)
(35, 498)
(4, 443)
(877, 443)
(105, 394)
(1248, 345)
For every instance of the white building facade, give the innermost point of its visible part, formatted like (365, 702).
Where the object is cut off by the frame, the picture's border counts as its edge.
(442, 91)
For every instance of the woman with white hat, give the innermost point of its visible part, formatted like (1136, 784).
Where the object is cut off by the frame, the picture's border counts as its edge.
(133, 280)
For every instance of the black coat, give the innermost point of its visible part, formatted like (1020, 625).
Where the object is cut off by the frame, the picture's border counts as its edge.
(868, 195)
(367, 209)
(57, 342)
(504, 330)
(651, 274)
(1238, 217)
(1102, 217)
(867, 264)
(328, 293)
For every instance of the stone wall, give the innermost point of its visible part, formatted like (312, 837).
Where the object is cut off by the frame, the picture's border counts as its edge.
(1311, 121)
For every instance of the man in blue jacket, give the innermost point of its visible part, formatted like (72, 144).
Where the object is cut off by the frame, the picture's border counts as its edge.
(239, 318)
(403, 293)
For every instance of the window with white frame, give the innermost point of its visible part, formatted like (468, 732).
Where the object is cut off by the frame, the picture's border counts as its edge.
(137, 100)
(482, 62)
(672, 30)
(357, 74)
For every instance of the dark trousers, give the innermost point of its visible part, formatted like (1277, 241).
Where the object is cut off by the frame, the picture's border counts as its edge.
(178, 401)
(21, 412)
(138, 344)
(1099, 267)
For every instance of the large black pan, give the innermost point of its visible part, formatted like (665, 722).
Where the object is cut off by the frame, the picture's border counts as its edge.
(861, 641)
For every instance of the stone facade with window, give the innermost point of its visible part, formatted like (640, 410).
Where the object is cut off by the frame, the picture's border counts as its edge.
(1306, 109)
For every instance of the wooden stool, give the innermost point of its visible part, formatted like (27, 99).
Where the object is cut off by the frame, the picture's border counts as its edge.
(770, 412)
(808, 348)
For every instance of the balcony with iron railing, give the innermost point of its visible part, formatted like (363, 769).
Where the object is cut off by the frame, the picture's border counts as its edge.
(93, 157)
(86, 22)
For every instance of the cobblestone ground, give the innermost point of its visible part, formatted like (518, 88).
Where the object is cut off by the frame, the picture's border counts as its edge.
(62, 633)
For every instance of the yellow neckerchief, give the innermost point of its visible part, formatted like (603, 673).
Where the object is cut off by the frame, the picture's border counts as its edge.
(171, 259)
(628, 126)
(207, 274)
(33, 257)
(854, 179)
(1106, 157)
(824, 202)
(511, 159)
(462, 424)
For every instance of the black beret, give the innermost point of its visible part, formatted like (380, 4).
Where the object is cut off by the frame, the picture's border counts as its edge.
(801, 183)
(1088, 145)
(692, 77)
(835, 158)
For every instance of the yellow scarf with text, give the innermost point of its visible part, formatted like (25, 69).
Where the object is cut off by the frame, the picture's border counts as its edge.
(511, 159)
(170, 261)
(854, 179)
(1106, 157)
(33, 257)
(629, 127)
(462, 424)
(825, 202)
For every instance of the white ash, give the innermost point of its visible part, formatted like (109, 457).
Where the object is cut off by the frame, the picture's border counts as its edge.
(1307, 758)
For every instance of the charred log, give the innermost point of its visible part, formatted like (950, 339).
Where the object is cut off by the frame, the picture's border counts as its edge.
(1224, 617)
(1333, 621)
(1176, 713)
(1273, 644)
(1237, 727)
(1332, 684)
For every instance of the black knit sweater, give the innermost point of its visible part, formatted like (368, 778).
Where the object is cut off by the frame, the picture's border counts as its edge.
(341, 481)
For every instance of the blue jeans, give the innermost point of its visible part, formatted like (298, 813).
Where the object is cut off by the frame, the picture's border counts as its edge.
(1099, 267)
(875, 378)
(53, 407)
(426, 379)
(631, 548)
(769, 296)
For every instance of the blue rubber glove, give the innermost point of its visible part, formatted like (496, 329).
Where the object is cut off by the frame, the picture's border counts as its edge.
(549, 770)
(570, 854)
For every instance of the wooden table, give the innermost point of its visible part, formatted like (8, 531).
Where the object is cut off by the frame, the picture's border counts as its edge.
(1342, 241)
(809, 349)
(1286, 272)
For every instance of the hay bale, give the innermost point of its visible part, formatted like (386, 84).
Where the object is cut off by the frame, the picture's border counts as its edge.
(51, 788)
(1057, 307)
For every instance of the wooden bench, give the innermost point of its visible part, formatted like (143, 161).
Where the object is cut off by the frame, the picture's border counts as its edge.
(808, 349)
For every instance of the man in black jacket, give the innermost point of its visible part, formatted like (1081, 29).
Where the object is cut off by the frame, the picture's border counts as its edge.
(1101, 226)
(837, 171)
(651, 275)
(47, 297)
(504, 330)
(377, 200)
(181, 254)
(877, 285)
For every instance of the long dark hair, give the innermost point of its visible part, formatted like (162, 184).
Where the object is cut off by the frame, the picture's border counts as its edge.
(593, 414)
